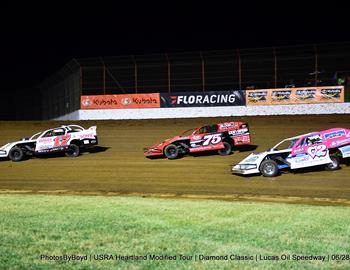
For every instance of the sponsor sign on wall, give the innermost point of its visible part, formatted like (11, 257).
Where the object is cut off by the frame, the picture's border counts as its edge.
(127, 101)
(322, 94)
(203, 99)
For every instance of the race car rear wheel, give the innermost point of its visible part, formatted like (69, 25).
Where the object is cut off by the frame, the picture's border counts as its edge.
(334, 165)
(73, 151)
(227, 150)
(171, 151)
(16, 154)
(269, 168)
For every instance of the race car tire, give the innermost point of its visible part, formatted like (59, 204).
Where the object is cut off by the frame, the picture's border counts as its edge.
(16, 154)
(334, 165)
(269, 168)
(171, 151)
(72, 151)
(225, 151)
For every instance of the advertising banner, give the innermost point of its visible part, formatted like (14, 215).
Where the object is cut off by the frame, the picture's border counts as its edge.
(127, 101)
(321, 94)
(203, 99)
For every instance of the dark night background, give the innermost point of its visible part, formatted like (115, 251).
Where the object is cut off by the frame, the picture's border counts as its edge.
(39, 38)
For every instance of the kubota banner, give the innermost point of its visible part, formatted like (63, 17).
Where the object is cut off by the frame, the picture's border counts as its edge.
(127, 101)
(321, 94)
(203, 99)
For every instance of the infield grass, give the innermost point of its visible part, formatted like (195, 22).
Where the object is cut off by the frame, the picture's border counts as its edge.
(34, 225)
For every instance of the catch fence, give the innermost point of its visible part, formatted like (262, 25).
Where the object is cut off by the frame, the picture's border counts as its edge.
(203, 71)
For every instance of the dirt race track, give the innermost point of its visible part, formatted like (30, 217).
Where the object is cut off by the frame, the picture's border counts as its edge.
(118, 166)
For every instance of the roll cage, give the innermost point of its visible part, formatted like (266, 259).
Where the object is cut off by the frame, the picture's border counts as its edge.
(58, 131)
(294, 141)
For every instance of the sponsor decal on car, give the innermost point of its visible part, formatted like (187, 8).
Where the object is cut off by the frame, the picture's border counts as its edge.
(227, 125)
(238, 131)
(252, 159)
(298, 150)
(334, 134)
(336, 143)
(301, 158)
(45, 140)
(86, 136)
(196, 137)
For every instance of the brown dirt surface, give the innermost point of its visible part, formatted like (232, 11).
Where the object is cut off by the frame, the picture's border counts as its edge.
(118, 165)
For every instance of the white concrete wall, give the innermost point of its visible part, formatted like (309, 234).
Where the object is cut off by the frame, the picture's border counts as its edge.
(159, 113)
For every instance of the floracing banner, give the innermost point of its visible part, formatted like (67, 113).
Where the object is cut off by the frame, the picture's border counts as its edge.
(127, 101)
(322, 94)
(203, 99)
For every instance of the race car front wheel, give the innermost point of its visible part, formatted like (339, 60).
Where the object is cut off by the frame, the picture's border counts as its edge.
(269, 168)
(227, 150)
(334, 165)
(16, 154)
(171, 151)
(73, 151)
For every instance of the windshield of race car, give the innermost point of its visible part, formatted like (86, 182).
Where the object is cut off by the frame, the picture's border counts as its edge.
(286, 144)
(188, 132)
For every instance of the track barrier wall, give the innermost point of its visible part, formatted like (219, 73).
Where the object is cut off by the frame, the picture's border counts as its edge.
(194, 112)
(285, 101)
(308, 95)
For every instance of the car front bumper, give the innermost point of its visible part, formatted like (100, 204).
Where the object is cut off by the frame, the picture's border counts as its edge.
(3, 153)
(151, 152)
(245, 169)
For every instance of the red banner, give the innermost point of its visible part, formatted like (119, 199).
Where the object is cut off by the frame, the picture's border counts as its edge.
(127, 101)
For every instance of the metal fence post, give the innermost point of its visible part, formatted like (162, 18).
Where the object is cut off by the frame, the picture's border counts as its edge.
(169, 78)
(316, 64)
(135, 72)
(81, 80)
(275, 66)
(203, 72)
(239, 70)
(104, 80)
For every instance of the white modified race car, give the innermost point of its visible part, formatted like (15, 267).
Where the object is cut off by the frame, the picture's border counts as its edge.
(324, 148)
(68, 139)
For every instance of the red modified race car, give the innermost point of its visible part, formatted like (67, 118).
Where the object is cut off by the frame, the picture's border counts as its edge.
(222, 137)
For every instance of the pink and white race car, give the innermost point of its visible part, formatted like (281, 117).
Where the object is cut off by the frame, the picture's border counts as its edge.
(312, 149)
(68, 139)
